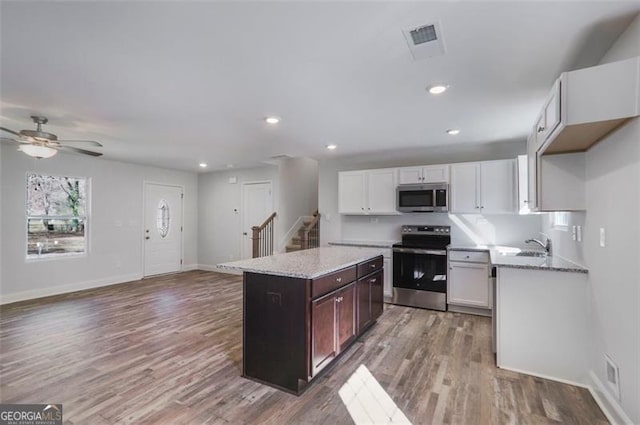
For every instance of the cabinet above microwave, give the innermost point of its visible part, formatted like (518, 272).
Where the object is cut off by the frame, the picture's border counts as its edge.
(585, 105)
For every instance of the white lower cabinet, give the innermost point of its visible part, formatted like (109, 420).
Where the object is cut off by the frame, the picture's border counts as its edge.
(468, 283)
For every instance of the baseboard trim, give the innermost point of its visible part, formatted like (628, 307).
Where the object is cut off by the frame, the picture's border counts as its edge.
(211, 268)
(550, 378)
(609, 405)
(190, 267)
(63, 289)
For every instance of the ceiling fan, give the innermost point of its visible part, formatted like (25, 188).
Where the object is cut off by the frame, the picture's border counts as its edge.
(40, 144)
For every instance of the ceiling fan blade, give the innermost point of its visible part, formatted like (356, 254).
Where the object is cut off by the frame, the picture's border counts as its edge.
(78, 150)
(8, 139)
(90, 142)
(9, 131)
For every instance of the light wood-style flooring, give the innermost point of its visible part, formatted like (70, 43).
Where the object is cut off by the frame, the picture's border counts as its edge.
(167, 350)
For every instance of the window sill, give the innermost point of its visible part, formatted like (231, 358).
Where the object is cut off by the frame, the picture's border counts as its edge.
(54, 257)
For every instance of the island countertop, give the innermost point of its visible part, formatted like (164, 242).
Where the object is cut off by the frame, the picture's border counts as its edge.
(306, 264)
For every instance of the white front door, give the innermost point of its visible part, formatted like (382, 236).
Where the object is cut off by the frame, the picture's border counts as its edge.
(257, 206)
(162, 229)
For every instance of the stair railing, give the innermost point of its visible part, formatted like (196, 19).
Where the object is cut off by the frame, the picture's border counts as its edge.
(310, 237)
(262, 237)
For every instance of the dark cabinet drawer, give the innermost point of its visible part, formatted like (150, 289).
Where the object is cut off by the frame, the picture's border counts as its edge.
(369, 266)
(325, 284)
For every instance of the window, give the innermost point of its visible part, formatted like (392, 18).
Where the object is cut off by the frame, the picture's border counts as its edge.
(560, 220)
(56, 216)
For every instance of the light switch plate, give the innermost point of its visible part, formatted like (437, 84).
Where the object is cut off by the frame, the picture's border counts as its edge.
(579, 233)
(574, 233)
(602, 237)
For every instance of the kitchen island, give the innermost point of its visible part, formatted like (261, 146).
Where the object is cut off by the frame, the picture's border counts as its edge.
(302, 309)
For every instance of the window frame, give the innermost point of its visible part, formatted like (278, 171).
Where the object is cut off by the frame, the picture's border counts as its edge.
(86, 219)
(560, 224)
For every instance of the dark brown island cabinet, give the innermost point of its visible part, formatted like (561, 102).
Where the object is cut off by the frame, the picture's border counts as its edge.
(294, 328)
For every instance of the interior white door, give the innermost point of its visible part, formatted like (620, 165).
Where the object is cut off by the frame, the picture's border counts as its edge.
(257, 206)
(162, 229)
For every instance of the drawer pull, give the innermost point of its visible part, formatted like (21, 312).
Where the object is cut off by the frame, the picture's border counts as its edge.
(338, 279)
(373, 280)
(373, 266)
(467, 256)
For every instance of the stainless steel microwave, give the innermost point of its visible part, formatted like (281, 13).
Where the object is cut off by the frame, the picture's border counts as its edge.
(428, 197)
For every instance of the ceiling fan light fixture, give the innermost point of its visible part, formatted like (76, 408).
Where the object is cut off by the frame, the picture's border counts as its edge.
(37, 151)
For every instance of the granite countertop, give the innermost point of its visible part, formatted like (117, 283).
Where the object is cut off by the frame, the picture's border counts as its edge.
(500, 259)
(306, 264)
(453, 247)
(369, 244)
(551, 263)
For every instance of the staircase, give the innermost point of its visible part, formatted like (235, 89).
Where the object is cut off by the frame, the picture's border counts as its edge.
(308, 235)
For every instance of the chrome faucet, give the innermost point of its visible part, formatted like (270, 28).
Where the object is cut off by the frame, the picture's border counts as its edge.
(546, 246)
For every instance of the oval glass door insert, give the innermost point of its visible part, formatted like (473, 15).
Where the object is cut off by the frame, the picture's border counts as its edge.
(163, 222)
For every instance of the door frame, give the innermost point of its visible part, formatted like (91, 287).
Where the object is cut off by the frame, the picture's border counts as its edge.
(144, 205)
(242, 212)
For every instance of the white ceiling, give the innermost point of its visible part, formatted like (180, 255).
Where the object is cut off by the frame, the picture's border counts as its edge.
(175, 83)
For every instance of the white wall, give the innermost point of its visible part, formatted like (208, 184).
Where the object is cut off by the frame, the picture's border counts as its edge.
(563, 243)
(613, 203)
(298, 192)
(115, 229)
(220, 214)
(466, 228)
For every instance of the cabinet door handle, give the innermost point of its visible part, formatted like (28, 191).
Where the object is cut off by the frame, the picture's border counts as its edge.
(147, 237)
(373, 266)
(373, 280)
(540, 129)
(338, 279)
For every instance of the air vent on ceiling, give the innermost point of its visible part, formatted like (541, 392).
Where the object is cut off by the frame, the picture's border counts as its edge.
(425, 41)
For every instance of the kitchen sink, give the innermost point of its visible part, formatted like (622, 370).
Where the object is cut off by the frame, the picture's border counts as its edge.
(514, 253)
(531, 254)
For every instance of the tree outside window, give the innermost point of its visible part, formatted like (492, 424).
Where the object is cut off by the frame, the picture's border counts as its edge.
(56, 215)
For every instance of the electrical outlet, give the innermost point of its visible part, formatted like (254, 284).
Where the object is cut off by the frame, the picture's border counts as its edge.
(574, 233)
(579, 233)
(602, 237)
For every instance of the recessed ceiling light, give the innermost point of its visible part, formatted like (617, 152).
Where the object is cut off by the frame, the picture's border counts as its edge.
(437, 88)
(453, 131)
(331, 147)
(203, 165)
(272, 120)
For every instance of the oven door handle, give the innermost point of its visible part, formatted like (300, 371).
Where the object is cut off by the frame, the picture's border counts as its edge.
(421, 251)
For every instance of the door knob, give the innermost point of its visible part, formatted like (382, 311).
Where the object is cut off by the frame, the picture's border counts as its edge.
(147, 237)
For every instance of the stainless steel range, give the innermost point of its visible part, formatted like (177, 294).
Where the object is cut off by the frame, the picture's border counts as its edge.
(420, 267)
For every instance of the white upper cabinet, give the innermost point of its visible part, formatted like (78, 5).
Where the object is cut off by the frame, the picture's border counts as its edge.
(522, 165)
(352, 192)
(483, 187)
(549, 117)
(465, 188)
(587, 104)
(497, 186)
(367, 192)
(381, 191)
(424, 174)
